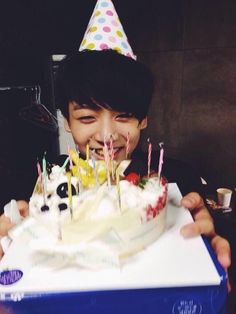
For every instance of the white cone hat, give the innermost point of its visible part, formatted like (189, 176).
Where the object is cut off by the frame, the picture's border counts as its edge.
(105, 31)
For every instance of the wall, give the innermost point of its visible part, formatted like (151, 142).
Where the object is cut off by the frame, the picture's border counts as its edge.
(191, 48)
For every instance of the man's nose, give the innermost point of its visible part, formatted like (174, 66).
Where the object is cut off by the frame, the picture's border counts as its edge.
(106, 137)
(106, 133)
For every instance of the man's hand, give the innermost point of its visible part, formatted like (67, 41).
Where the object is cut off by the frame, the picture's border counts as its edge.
(204, 224)
(5, 222)
(5, 225)
(23, 208)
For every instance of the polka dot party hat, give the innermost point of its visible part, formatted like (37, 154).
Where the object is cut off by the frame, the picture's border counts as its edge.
(105, 31)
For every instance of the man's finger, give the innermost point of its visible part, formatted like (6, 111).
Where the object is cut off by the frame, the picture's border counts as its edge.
(23, 208)
(198, 227)
(5, 225)
(222, 249)
(192, 201)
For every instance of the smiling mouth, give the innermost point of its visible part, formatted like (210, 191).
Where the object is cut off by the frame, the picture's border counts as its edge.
(100, 152)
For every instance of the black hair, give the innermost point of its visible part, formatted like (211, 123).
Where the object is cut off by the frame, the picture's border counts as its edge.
(105, 78)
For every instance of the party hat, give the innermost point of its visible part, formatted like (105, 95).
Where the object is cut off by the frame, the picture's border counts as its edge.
(105, 31)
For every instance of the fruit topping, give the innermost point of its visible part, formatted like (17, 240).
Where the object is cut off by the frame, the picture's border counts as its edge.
(133, 178)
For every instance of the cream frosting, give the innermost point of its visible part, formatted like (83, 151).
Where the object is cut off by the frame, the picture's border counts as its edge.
(96, 219)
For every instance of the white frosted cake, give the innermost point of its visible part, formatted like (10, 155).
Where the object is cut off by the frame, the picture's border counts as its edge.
(92, 217)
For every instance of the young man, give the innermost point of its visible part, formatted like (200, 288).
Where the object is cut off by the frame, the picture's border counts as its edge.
(104, 95)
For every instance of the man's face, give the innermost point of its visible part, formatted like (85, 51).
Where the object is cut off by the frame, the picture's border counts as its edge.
(93, 126)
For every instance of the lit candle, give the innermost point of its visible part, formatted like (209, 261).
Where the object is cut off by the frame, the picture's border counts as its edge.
(69, 192)
(39, 177)
(77, 150)
(160, 160)
(127, 145)
(149, 156)
(118, 187)
(87, 152)
(112, 156)
(68, 151)
(44, 179)
(64, 165)
(94, 168)
(78, 153)
(106, 157)
(75, 158)
(87, 159)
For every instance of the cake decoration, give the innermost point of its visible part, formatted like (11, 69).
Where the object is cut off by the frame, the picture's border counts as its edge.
(80, 214)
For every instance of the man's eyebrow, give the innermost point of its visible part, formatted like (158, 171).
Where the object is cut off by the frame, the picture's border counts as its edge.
(84, 106)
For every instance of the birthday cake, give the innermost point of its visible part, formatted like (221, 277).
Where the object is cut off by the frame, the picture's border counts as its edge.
(92, 215)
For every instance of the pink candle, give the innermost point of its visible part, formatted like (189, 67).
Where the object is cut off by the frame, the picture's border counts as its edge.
(111, 148)
(112, 157)
(160, 159)
(106, 158)
(40, 181)
(149, 156)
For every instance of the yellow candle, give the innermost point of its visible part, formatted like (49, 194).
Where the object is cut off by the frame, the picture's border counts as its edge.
(118, 187)
(106, 157)
(87, 152)
(69, 191)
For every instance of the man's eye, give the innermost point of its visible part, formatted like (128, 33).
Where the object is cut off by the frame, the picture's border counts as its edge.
(86, 119)
(124, 116)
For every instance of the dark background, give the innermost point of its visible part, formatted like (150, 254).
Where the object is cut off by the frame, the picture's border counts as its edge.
(190, 46)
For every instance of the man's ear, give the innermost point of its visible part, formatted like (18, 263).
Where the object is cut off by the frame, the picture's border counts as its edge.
(66, 126)
(143, 123)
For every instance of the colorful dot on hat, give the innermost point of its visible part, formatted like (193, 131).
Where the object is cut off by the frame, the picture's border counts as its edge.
(114, 23)
(90, 46)
(101, 20)
(104, 4)
(107, 29)
(117, 49)
(119, 33)
(93, 29)
(112, 39)
(83, 42)
(104, 46)
(97, 13)
(124, 45)
(98, 37)
(109, 12)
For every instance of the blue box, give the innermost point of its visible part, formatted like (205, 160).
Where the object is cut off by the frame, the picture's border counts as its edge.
(182, 300)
